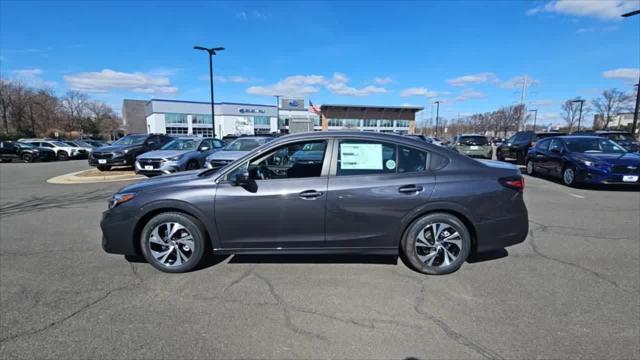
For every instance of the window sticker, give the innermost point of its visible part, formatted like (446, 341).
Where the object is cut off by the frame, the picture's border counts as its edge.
(361, 156)
(391, 164)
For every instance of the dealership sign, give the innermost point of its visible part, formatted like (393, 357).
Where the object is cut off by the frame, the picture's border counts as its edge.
(250, 111)
(292, 104)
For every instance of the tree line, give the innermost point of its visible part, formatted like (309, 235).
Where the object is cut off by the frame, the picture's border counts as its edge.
(37, 112)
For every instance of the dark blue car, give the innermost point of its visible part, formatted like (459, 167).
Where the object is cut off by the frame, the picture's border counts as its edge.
(584, 159)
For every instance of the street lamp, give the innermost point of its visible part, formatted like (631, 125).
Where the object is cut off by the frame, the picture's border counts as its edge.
(635, 113)
(579, 116)
(535, 116)
(212, 52)
(437, 115)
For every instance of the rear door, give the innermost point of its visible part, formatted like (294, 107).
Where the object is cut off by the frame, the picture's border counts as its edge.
(372, 187)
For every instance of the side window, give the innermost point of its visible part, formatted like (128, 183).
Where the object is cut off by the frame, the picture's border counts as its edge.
(411, 160)
(555, 145)
(543, 145)
(296, 160)
(165, 139)
(365, 157)
(512, 139)
(47, 145)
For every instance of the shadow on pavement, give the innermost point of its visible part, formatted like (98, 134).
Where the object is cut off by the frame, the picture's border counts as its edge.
(488, 256)
(314, 259)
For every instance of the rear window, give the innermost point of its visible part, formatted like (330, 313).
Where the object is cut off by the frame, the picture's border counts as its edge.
(473, 140)
(620, 137)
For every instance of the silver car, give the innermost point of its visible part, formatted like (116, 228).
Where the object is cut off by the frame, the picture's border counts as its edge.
(183, 153)
(235, 150)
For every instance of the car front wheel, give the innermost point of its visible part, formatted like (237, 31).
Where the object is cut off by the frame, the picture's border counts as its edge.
(63, 156)
(436, 244)
(569, 176)
(104, 167)
(193, 165)
(174, 242)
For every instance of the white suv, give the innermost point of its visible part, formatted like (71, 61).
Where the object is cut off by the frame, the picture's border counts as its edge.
(63, 151)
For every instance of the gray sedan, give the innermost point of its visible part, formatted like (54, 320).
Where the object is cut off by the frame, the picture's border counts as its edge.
(184, 153)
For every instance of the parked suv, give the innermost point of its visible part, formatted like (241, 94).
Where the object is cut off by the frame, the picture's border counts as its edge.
(12, 150)
(63, 151)
(183, 153)
(124, 151)
(472, 145)
(517, 146)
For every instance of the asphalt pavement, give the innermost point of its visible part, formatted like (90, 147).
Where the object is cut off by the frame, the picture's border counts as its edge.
(571, 290)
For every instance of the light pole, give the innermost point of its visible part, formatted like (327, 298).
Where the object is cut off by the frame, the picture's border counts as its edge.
(635, 113)
(278, 111)
(437, 114)
(535, 116)
(212, 52)
(579, 116)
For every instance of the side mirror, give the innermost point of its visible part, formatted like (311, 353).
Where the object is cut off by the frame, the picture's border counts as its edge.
(243, 179)
(204, 148)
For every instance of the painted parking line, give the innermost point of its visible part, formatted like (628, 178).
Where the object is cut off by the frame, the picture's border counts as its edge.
(576, 195)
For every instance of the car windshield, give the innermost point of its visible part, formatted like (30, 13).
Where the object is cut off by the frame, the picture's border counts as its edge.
(181, 144)
(473, 140)
(620, 137)
(592, 145)
(60, 143)
(130, 140)
(245, 144)
(70, 144)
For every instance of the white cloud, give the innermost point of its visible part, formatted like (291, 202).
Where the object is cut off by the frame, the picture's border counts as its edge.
(32, 77)
(469, 94)
(300, 85)
(418, 91)
(382, 80)
(472, 79)
(602, 9)
(542, 102)
(105, 80)
(343, 89)
(626, 74)
(517, 82)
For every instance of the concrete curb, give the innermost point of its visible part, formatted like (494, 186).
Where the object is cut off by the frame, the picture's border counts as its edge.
(72, 178)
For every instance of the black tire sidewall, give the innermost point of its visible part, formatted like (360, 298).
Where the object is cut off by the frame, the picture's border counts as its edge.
(104, 168)
(62, 156)
(27, 158)
(194, 227)
(409, 240)
(190, 163)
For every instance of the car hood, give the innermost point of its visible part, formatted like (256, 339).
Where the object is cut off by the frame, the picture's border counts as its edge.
(611, 159)
(226, 155)
(113, 148)
(162, 154)
(158, 182)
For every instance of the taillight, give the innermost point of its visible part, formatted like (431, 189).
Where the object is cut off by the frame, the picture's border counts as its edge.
(516, 182)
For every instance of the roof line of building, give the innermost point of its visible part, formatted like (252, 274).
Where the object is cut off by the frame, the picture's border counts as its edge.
(208, 103)
(417, 108)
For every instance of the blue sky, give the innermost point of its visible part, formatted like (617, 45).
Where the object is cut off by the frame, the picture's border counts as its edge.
(472, 55)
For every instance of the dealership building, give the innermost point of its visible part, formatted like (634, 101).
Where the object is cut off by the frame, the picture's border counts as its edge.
(177, 117)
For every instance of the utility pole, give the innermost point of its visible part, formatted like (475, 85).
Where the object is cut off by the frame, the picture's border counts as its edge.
(212, 52)
(523, 94)
(437, 115)
(278, 111)
(634, 126)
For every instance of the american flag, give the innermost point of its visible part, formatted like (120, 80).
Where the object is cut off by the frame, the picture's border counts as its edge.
(314, 108)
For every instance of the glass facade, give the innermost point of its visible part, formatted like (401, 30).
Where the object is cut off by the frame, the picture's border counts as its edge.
(174, 118)
(402, 123)
(201, 119)
(262, 120)
(204, 132)
(177, 130)
(348, 123)
(386, 123)
(370, 123)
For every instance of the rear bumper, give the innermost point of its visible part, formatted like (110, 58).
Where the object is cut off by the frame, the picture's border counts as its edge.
(498, 234)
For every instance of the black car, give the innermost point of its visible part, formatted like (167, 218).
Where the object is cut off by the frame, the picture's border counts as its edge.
(517, 146)
(622, 138)
(124, 151)
(15, 150)
(367, 193)
(584, 159)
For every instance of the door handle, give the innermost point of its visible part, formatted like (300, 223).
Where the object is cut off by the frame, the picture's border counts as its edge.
(310, 194)
(408, 189)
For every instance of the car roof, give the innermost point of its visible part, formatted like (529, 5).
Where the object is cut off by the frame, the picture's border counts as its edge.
(354, 134)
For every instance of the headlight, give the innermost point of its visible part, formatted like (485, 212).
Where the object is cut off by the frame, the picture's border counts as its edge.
(126, 151)
(176, 158)
(588, 163)
(118, 153)
(118, 199)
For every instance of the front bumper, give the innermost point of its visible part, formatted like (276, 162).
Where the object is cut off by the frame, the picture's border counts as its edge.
(113, 161)
(117, 232)
(597, 176)
(154, 167)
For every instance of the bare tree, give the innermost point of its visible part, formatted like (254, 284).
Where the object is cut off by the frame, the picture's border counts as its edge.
(74, 105)
(609, 104)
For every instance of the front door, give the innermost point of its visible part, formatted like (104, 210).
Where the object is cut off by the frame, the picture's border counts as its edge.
(284, 204)
(553, 161)
(375, 186)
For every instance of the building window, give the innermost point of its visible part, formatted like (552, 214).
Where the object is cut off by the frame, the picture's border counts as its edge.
(201, 119)
(386, 123)
(204, 132)
(370, 123)
(402, 123)
(173, 118)
(346, 123)
(317, 122)
(177, 130)
(262, 120)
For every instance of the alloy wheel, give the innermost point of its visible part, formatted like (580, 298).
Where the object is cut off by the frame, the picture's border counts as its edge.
(530, 167)
(438, 244)
(171, 244)
(568, 176)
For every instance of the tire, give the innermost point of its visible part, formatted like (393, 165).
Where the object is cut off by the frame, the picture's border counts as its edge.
(172, 254)
(104, 167)
(63, 156)
(569, 176)
(192, 165)
(26, 157)
(530, 168)
(419, 253)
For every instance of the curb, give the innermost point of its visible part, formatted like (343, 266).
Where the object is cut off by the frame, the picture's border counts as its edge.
(72, 178)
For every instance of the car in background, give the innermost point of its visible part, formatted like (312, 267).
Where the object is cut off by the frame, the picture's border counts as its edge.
(82, 150)
(13, 150)
(123, 152)
(472, 145)
(420, 137)
(517, 146)
(63, 151)
(584, 159)
(234, 150)
(183, 153)
(622, 138)
(369, 193)
(496, 141)
(93, 143)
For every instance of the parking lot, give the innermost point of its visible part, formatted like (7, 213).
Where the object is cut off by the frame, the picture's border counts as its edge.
(571, 290)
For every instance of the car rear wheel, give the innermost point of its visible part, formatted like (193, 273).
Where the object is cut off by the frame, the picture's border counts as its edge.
(104, 167)
(569, 176)
(436, 244)
(26, 157)
(193, 165)
(63, 156)
(174, 242)
(530, 168)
